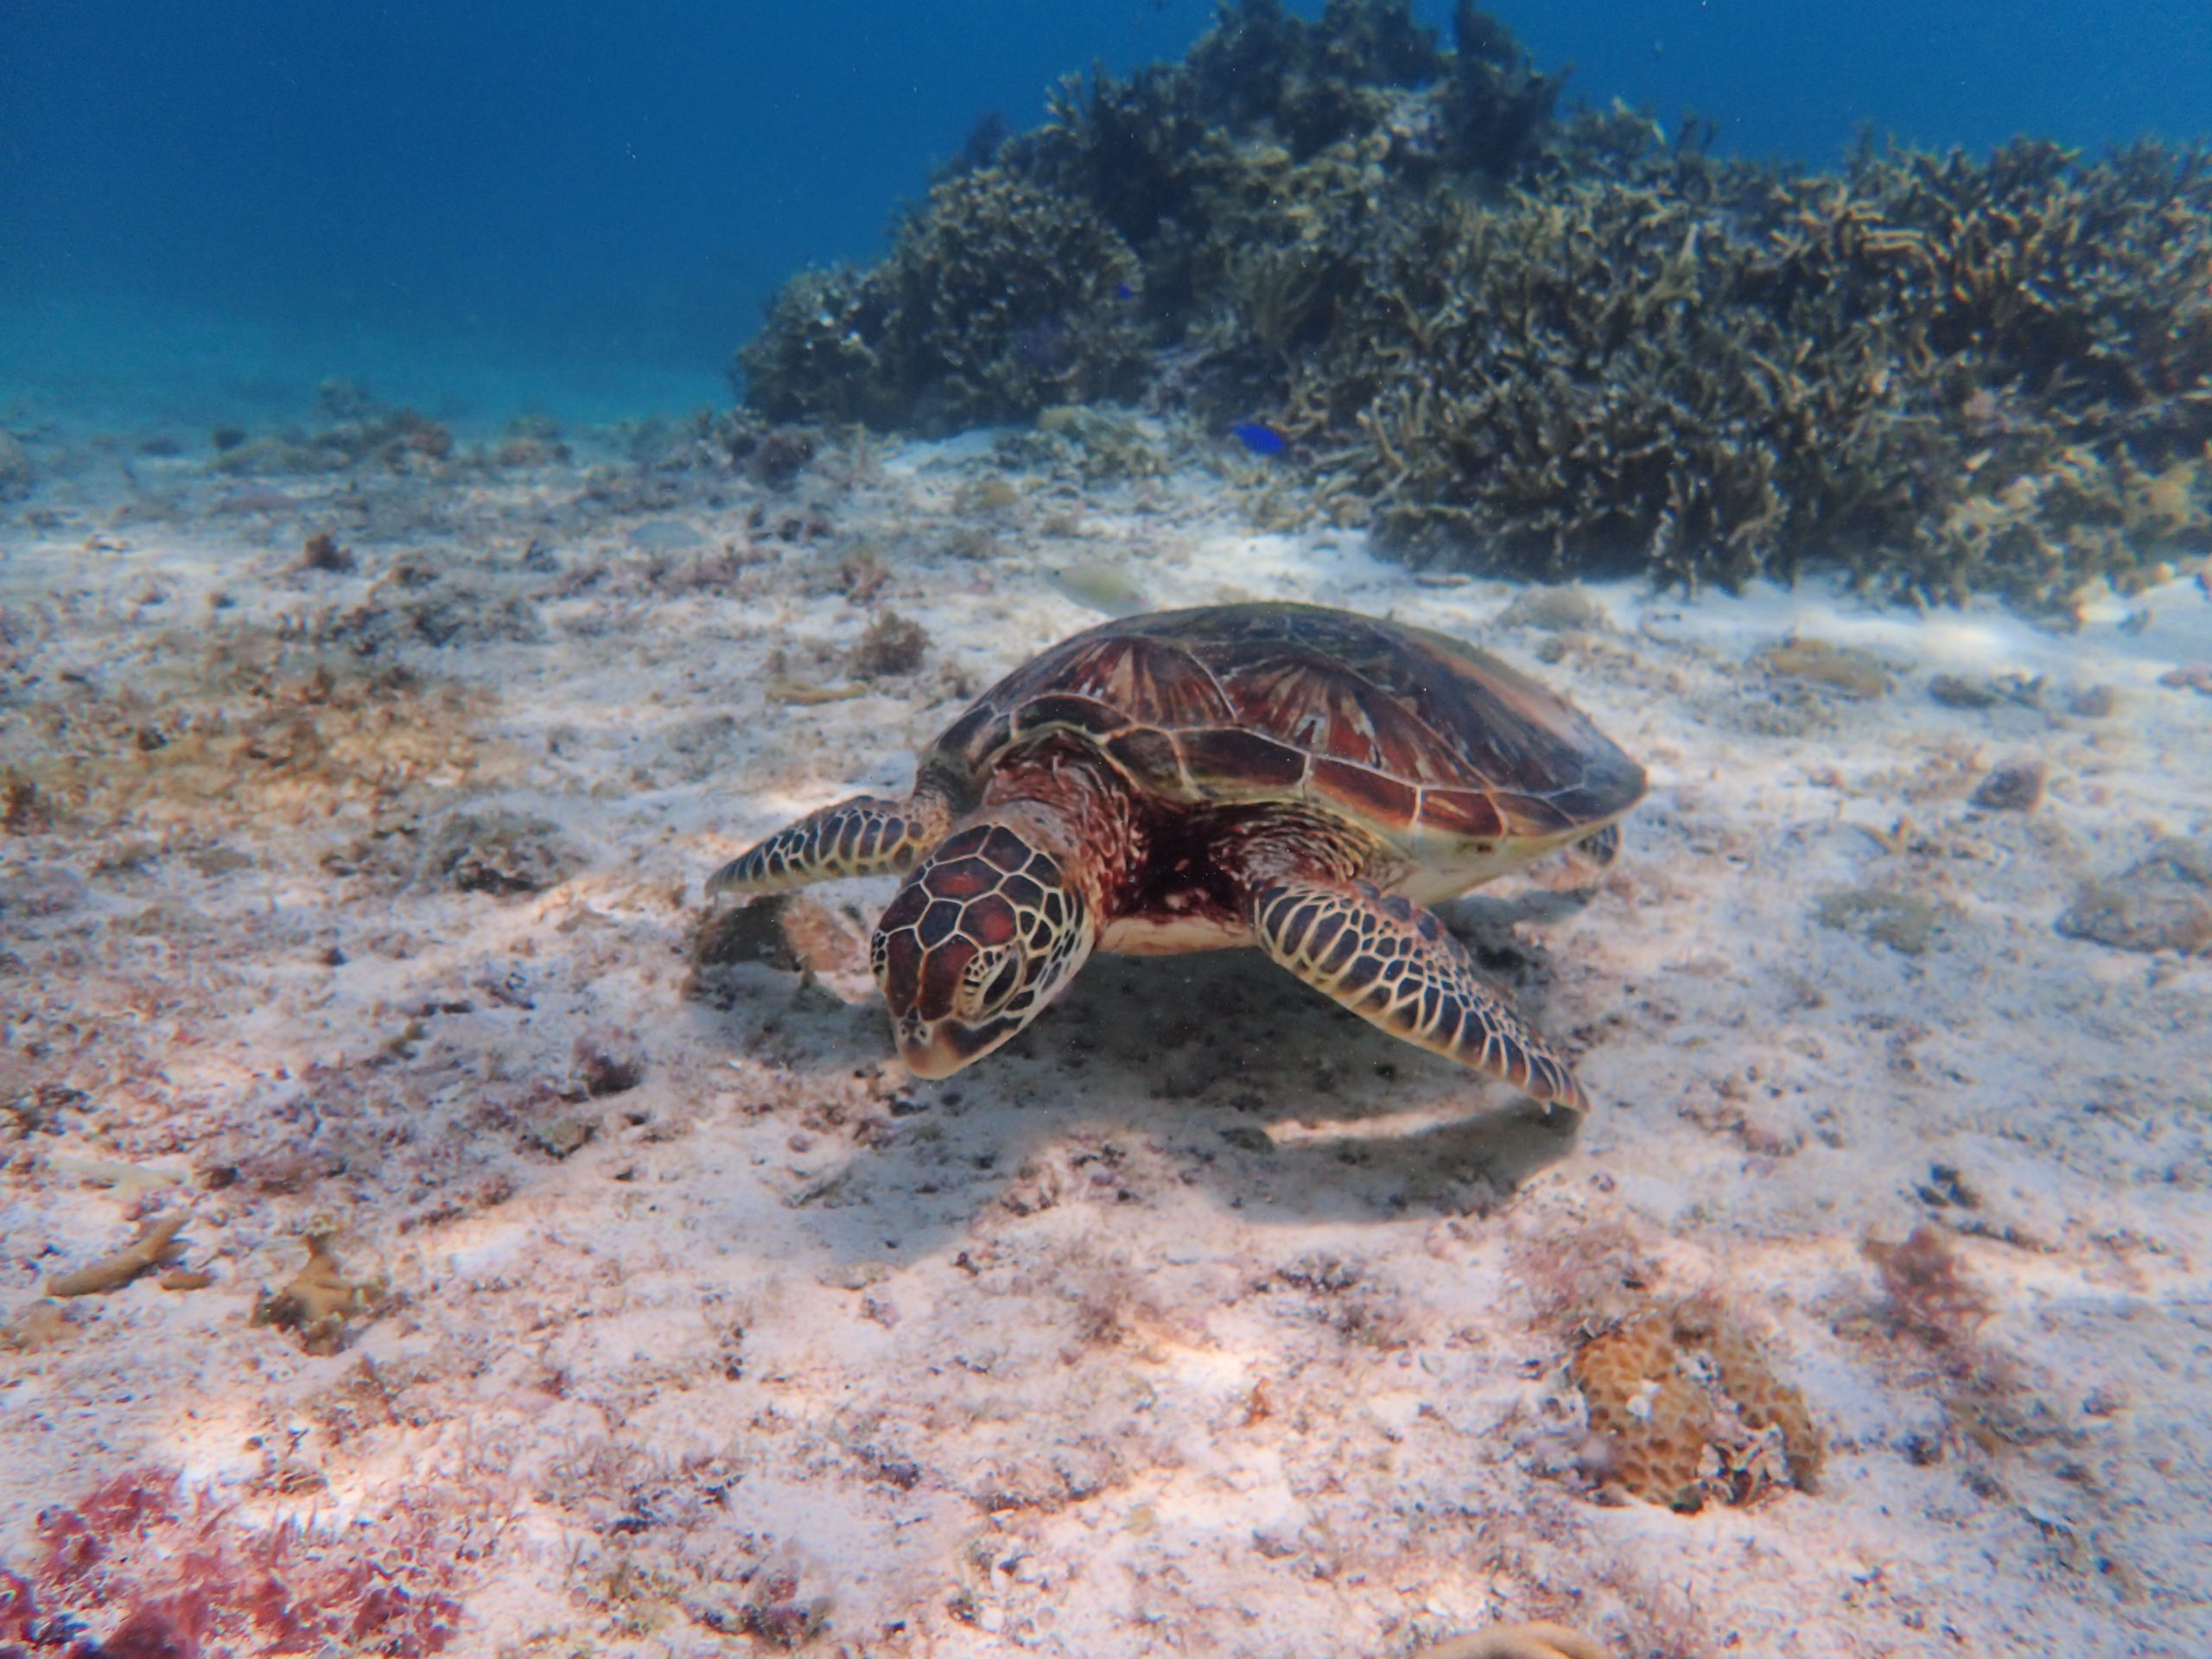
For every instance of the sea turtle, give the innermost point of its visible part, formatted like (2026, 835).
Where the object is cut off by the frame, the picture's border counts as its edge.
(1301, 779)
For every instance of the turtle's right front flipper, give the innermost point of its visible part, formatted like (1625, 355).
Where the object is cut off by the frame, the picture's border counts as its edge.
(866, 835)
(1391, 962)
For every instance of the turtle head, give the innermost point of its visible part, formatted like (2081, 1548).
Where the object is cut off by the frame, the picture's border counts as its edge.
(983, 934)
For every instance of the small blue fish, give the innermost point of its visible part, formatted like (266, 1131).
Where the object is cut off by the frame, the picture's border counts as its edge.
(1123, 291)
(1257, 437)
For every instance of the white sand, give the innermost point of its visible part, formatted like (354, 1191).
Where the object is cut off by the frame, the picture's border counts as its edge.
(1061, 1355)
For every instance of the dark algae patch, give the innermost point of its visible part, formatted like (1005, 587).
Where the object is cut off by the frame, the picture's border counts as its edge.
(1556, 345)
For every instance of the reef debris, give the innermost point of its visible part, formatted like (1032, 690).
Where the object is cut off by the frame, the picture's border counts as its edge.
(498, 852)
(148, 1563)
(357, 430)
(18, 474)
(1540, 1640)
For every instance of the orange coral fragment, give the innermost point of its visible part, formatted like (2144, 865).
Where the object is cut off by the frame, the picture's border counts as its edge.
(154, 1246)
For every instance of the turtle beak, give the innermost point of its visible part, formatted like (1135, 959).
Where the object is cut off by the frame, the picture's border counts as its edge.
(933, 1050)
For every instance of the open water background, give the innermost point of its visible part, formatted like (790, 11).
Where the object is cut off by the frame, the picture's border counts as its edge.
(492, 206)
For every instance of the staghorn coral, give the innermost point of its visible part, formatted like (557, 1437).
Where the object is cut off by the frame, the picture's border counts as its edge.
(1949, 376)
(1495, 104)
(1560, 347)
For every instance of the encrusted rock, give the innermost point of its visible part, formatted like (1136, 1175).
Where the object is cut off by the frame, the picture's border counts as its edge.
(2163, 903)
(1900, 920)
(1838, 668)
(2014, 788)
(1554, 610)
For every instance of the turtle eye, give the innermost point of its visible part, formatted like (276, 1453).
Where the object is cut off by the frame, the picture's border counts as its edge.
(986, 983)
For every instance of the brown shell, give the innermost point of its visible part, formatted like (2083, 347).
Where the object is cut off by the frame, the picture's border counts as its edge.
(1420, 738)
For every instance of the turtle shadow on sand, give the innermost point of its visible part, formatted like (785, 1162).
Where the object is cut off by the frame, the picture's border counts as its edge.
(1258, 1089)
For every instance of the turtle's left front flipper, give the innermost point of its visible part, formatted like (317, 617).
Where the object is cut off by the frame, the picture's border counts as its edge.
(1391, 962)
(866, 835)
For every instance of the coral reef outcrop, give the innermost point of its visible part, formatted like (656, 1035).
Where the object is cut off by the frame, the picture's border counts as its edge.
(1547, 346)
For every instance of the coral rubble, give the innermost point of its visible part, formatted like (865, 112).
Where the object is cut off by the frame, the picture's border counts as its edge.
(1560, 346)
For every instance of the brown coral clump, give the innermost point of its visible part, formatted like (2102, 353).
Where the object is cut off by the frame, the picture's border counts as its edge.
(891, 646)
(1691, 1411)
(1762, 1399)
(1927, 1297)
(1657, 1422)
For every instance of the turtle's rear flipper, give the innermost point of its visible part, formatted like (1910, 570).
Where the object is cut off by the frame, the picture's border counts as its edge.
(866, 835)
(1391, 962)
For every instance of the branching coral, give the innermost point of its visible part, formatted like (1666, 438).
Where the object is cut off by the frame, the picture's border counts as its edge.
(1655, 360)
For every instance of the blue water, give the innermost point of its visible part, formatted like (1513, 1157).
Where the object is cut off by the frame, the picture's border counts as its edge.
(488, 205)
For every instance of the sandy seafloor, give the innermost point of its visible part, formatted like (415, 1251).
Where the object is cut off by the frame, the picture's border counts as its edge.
(1202, 1320)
